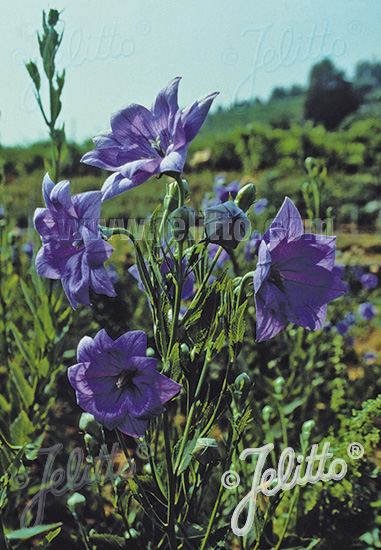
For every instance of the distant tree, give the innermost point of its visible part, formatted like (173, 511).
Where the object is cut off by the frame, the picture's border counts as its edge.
(367, 76)
(296, 90)
(278, 93)
(330, 98)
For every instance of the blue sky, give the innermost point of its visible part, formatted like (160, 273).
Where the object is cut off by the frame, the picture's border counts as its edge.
(124, 51)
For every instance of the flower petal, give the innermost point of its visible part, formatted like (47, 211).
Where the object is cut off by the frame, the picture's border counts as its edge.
(194, 116)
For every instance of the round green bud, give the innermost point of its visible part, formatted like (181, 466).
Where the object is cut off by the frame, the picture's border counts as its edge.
(279, 384)
(266, 413)
(242, 384)
(171, 199)
(181, 220)
(88, 424)
(150, 352)
(246, 197)
(307, 427)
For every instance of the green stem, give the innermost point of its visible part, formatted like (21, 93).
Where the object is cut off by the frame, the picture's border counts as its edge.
(171, 486)
(248, 276)
(204, 282)
(179, 277)
(149, 509)
(232, 448)
(191, 413)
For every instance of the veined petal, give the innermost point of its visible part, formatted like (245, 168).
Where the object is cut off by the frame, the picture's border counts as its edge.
(100, 282)
(165, 105)
(105, 139)
(115, 185)
(76, 280)
(132, 120)
(135, 427)
(194, 116)
(263, 266)
(88, 207)
(60, 198)
(287, 225)
(98, 252)
(105, 157)
(269, 322)
(133, 343)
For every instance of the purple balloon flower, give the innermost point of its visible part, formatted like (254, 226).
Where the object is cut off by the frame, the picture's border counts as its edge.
(368, 280)
(223, 192)
(294, 278)
(73, 249)
(342, 327)
(145, 142)
(260, 206)
(28, 249)
(118, 384)
(367, 311)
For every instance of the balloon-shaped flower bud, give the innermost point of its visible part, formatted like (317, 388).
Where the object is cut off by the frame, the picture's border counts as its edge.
(242, 385)
(76, 504)
(279, 384)
(246, 197)
(171, 199)
(181, 220)
(89, 425)
(226, 224)
(266, 413)
(307, 428)
(206, 450)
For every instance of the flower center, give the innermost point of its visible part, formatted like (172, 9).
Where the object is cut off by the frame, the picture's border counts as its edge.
(78, 240)
(157, 146)
(124, 379)
(276, 278)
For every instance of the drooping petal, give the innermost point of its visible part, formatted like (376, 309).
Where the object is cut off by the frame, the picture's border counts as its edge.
(100, 282)
(76, 280)
(98, 252)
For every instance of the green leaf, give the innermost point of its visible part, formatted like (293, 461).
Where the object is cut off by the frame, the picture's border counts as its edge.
(25, 390)
(237, 331)
(176, 371)
(187, 455)
(34, 74)
(20, 429)
(48, 539)
(25, 352)
(29, 532)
